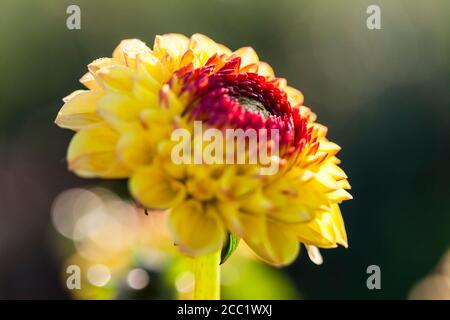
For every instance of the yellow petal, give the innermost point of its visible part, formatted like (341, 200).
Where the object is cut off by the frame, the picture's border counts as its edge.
(295, 97)
(128, 49)
(200, 43)
(100, 63)
(92, 153)
(146, 88)
(89, 81)
(328, 146)
(196, 230)
(154, 67)
(187, 58)
(325, 231)
(230, 213)
(264, 69)
(232, 185)
(291, 213)
(256, 202)
(158, 124)
(307, 113)
(73, 95)
(339, 195)
(250, 68)
(154, 189)
(201, 188)
(270, 240)
(324, 182)
(336, 172)
(344, 184)
(79, 110)
(116, 77)
(169, 100)
(248, 56)
(134, 150)
(120, 111)
(174, 43)
(339, 227)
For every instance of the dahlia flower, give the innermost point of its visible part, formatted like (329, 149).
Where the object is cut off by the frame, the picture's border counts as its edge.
(134, 102)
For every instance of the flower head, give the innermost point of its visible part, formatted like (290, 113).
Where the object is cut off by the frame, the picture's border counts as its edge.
(136, 100)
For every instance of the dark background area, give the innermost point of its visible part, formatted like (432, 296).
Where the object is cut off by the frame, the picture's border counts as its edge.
(384, 94)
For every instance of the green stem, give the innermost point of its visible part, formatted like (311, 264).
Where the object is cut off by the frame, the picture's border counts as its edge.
(206, 270)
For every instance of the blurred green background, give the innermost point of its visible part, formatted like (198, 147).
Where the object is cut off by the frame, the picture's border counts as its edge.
(384, 94)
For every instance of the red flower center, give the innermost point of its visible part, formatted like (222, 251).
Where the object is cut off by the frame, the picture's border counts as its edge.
(224, 97)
